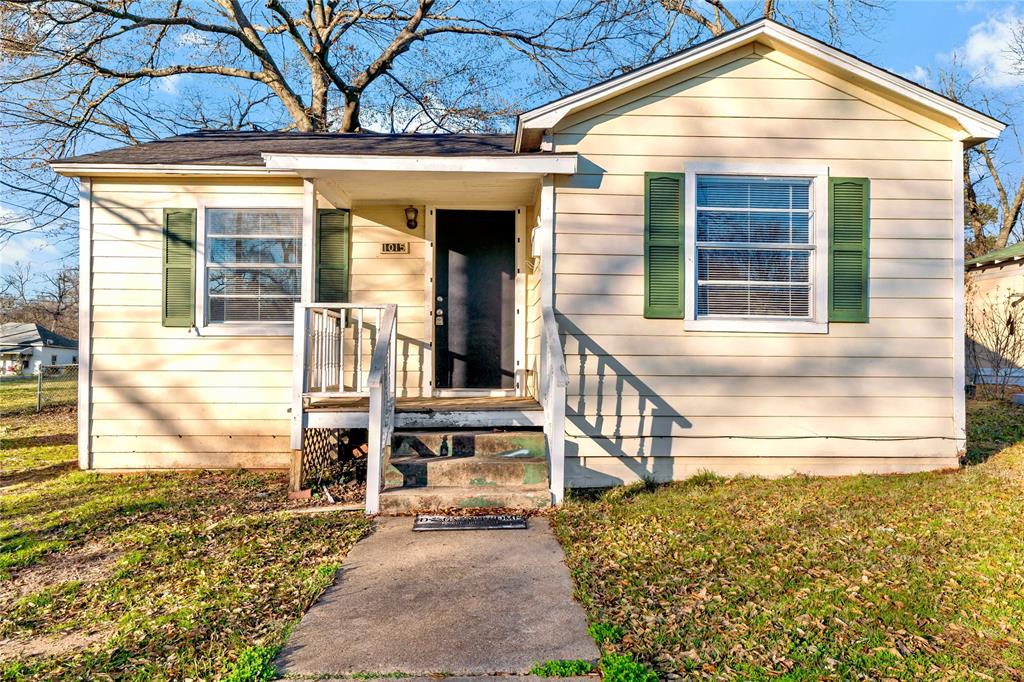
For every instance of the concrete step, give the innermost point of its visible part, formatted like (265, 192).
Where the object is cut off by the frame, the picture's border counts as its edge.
(408, 500)
(481, 471)
(466, 443)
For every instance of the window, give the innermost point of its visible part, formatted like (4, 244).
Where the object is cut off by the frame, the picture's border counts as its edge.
(253, 264)
(753, 253)
(753, 247)
(53, 359)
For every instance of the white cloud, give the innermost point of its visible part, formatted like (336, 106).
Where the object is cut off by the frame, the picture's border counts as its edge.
(986, 54)
(193, 39)
(27, 247)
(918, 74)
(169, 84)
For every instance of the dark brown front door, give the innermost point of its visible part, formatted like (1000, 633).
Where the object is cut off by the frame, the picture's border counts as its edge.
(475, 306)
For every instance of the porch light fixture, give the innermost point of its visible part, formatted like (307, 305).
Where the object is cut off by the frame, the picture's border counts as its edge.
(411, 212)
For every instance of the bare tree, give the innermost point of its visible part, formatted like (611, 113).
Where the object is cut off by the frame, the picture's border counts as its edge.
(76, 75)
(50, 299)
(995, 337)
(993, 197)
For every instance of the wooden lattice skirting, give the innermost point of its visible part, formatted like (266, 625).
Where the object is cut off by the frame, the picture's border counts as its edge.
(320, 449)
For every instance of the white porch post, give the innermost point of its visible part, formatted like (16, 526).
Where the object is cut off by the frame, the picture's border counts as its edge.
(299, 350)
(309, 205)
(553, 379)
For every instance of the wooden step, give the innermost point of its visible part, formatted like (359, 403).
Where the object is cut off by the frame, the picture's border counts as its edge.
(436, 498)
(480, 471)
(466, 443)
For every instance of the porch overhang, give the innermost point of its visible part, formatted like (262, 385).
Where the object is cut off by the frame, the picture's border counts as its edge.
(355, 180)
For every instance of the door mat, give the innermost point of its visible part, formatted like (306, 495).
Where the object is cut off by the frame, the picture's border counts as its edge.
(488, 522)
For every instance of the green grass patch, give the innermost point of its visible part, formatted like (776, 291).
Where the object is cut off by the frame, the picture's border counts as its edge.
(606, 633)
(624, 668)
(562, 669)
(865, 577)
(182, 575)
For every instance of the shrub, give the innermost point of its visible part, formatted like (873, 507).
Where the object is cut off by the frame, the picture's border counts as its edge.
(624, 668)
(562, 669)
(255, 664)
(605, 633)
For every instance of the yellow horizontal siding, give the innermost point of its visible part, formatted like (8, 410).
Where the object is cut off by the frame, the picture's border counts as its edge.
(643, 388)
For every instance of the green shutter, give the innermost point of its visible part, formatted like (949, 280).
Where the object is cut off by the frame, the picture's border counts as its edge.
(332, 256)
(179, 277)
(848, 229)
(663, 245)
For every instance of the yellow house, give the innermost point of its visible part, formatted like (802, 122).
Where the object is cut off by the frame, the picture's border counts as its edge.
(743, 258)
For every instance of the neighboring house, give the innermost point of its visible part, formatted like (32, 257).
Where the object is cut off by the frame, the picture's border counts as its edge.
(744, 258)
(25, 346)
(995, 298)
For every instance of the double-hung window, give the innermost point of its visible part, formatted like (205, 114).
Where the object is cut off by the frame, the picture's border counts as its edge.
(253, 264)
(755, 249)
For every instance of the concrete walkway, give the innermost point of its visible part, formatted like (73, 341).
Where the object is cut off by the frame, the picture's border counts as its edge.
(456, 602)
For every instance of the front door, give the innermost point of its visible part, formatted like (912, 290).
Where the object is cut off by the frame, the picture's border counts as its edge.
(475, 307)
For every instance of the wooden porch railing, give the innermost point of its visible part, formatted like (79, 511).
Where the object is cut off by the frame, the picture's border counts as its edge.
(328, 349)
(553, 382)
(382, 407)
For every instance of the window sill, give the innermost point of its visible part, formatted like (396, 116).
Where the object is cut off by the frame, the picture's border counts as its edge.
(269, 329)
(769, 326)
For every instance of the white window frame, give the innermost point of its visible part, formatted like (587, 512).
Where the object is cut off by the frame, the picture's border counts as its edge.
(203, 325)
(818, 322)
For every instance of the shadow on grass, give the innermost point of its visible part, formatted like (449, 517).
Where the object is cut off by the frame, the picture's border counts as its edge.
(992, 426)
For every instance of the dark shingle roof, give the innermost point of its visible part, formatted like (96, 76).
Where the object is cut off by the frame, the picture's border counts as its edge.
(243, 148)
(16, 336)
(1010, 252)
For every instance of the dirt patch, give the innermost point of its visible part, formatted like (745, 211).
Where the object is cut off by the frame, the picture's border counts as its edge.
(50, 645)
(87, 565)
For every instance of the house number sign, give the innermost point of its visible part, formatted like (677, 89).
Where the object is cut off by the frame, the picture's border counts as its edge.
(393, 248)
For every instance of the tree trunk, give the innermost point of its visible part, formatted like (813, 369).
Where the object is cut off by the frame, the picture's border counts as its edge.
(350, 115)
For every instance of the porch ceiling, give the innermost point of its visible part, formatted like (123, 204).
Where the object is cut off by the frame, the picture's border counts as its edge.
(354, 188)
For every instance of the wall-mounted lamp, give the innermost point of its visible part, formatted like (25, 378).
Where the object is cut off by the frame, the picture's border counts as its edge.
(411, 212)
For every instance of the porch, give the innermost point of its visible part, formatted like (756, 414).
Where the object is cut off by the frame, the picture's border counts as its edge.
(444, 327)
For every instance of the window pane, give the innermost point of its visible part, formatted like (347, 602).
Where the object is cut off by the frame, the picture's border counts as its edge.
(238, 240)
(255, 282)
(735, 279)
(725, 300)
(753, 265)
(254, 222)
(744, 228)
(719, 191)
(241, 250)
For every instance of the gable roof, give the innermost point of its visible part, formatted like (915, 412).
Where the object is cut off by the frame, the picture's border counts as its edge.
(17, 336)
(532, 124)
(245, 148)
(1015, 252)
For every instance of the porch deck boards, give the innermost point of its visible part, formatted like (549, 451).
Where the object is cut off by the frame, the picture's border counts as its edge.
(412, 413)
(451, 404)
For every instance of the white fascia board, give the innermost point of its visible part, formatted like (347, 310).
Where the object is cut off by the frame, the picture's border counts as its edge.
(977, 125)
(534, 164)
(74, 170)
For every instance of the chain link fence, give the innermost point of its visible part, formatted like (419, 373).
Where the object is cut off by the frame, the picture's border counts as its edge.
(56, 385)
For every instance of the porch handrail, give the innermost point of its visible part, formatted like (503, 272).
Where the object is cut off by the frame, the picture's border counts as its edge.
(322, 327)
(382, 389)
(554, 380)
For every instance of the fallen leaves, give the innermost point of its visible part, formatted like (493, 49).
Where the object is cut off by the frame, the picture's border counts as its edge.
(918, 576)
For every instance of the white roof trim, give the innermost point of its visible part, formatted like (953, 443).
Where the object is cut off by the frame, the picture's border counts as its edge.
(100, 169)
(976, 125)
(538, 164)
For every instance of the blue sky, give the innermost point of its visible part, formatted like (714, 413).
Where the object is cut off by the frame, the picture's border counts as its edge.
(916, 38)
